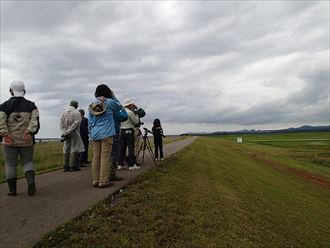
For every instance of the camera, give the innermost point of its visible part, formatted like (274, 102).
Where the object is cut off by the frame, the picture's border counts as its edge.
(146, 130)
(140, 113)
(64, 137)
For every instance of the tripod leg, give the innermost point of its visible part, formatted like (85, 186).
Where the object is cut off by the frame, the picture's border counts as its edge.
(150, 151)
(144, 149)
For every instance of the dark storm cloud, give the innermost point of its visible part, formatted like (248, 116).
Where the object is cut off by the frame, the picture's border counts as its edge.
(217, 62)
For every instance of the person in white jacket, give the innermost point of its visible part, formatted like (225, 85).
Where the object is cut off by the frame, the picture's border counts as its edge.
(127, 136)
(70, 127)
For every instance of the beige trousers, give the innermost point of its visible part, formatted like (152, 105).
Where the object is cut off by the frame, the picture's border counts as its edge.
(137, 135)
(101, 160)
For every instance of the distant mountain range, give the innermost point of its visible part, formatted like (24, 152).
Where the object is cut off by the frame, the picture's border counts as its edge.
(304, 128)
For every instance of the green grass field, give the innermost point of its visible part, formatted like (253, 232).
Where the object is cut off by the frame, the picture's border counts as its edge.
(214, 193)
(306, 151)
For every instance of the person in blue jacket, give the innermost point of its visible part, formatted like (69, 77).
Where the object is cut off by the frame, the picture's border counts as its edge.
(102, 130)
(119, 116)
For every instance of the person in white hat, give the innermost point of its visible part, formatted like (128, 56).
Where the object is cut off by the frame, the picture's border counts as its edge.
(127, 137)
(19, 122)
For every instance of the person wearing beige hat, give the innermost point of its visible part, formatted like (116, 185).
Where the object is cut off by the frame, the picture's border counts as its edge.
(19, 122)
(127, 136)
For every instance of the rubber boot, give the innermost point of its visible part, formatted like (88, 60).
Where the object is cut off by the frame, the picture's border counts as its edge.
(112, 174)
(12, 186)
(30, 177)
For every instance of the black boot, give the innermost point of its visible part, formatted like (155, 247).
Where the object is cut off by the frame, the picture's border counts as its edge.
(112, 173)
(30, 177)
(115, 178)
(12, 186)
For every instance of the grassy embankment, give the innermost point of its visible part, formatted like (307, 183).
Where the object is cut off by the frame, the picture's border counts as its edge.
(212, 194)
(306, 151)
(48, 156)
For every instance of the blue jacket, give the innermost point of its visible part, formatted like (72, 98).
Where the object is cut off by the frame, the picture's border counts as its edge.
(120, 116)
(101, 120)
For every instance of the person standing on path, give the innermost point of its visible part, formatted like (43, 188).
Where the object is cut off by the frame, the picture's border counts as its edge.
(157, 131)
(102, 130)
(127, 137)
(119, 116)
(19, 121)
(84, 134)
(69, 125)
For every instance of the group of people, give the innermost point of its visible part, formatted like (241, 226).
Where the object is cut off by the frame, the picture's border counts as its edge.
(111, 127)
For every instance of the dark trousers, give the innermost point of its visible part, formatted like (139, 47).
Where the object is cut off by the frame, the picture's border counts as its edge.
(115, 153)
(159, 146)
(83, 156)
(127, 140)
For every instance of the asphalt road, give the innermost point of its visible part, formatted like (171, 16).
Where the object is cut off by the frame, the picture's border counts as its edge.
(60, 197)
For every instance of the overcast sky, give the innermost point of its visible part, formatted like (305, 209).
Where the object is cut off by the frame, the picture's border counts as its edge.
(197, 66)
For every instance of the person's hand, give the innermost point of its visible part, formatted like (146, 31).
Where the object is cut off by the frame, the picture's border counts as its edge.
(8, 139)
(27, 136)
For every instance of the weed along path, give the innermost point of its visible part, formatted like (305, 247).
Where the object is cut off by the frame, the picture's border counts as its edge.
(60, 197)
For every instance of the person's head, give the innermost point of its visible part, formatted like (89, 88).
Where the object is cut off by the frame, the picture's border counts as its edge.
(103, 90)
(129, 104)
(74, 104)
(157, 123)
(82, 112)
(17, 88)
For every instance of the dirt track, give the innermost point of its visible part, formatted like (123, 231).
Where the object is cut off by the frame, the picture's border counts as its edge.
(60, 197)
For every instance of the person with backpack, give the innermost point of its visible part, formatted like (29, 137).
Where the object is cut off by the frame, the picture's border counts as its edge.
(102, 131)
(157, 132)
(19, 122)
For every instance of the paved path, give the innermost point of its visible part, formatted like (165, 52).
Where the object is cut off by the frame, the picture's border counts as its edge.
(60, 197)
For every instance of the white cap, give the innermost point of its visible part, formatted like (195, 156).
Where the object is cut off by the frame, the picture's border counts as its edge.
(127, 102)
(18, 88)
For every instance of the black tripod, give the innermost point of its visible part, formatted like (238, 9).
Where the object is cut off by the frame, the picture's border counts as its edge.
(146, 144)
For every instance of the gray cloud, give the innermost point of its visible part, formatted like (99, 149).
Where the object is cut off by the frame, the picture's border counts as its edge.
(195, 64)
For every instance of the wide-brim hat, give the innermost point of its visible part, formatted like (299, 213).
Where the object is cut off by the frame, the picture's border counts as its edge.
(98, 109)
(127, 102)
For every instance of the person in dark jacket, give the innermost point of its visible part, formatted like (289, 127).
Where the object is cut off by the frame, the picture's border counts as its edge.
(157, 131)
(84, 134)
(119, 116)
(19, 122)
